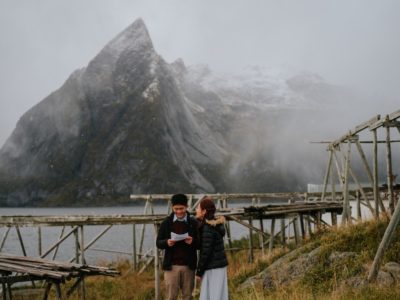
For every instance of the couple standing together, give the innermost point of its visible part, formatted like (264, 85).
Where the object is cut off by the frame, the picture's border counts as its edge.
(204, 233)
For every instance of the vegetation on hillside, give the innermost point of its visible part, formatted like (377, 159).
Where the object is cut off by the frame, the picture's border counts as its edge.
(322, 281)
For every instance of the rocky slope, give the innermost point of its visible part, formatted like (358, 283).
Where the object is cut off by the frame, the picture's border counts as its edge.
(130, 122)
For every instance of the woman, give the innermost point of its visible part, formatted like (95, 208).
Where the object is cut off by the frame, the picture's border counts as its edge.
(211, 268)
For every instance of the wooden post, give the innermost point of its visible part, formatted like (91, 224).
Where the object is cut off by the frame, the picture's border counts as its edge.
(134, 254)
(83, 261)
(9, 291)
(346, 210)
(228, 225)
(4, 290)
(261, 236)
(303, 232)
(39, 240)
(333, 184)
(317, 217)
(82, 246)
(377, 200)
(334, 218)
(47, 290)
(283, 235)
(58, 291)
(271, 239)
(308, 223)
(387, 237)
(358, 205)
(76, 246)
(296, 231)
(327, 172)
(156, 265)
(251, 256)
(143, 226)
(389, 169)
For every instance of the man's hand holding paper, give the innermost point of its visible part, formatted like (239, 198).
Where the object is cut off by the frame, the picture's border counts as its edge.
(179, 237)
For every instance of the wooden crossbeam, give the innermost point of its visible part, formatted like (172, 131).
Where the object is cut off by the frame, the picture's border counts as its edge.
(355, 131)
(383, 122)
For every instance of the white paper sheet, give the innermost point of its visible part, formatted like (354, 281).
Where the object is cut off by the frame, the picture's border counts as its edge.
(179, 237)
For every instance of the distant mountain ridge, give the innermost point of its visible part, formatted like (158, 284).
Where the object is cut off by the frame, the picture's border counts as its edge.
(130, 122)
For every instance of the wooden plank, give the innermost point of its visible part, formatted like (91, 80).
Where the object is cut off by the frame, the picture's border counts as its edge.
(338, 170)
(271, 239)
(389, 173)
(391, 117)
(283, 235)
(134, 254)
(360, 188)
(365, 163)
(327, 172)
(56, 249)
(394, 115)
(251, 253)
(231, 197)
(355, 131)
(79, 220)
(346, 206)
(21, 242)
(247, 225)
(358, 204)
(261, 236)
(156, 265)
(58, 242)
(387, 237)
(4, 238)
(296, 230)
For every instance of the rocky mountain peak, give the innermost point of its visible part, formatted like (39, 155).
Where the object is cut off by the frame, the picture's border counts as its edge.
(128, 55)
(134, 38)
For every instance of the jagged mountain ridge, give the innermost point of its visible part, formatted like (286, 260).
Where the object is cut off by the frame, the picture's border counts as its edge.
(132, 123)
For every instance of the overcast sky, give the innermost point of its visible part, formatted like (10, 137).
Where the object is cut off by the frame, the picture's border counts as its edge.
(354, 43)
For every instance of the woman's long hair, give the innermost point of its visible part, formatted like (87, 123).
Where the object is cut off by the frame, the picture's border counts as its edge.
(208, 204)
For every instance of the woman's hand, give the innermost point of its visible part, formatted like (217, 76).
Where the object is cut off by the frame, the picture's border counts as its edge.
(171, 243)
(198, 278)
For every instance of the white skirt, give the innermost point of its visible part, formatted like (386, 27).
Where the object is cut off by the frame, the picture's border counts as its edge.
(214, 285)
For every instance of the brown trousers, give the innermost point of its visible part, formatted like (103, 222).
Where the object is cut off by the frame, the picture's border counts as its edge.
(179, 278)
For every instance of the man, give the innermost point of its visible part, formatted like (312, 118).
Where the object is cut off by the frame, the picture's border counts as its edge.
(180, 257)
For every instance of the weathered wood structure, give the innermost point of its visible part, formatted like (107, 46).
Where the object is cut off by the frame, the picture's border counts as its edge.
(15, 269)
(306, 211)
(339, 163)
(339, 159)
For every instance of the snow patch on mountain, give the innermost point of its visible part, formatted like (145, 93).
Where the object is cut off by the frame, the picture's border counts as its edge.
(262, 87)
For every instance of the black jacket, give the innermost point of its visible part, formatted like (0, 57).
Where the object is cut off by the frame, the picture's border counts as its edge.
(212, 252)
(164, 234)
